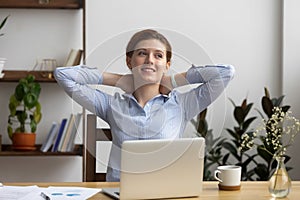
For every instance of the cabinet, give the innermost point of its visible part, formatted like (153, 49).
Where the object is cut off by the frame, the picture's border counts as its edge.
(41, 76)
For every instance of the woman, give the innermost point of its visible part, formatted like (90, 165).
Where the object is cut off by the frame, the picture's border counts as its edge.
(148, 110)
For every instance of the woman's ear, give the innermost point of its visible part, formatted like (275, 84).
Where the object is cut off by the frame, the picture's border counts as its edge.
(128, 62)
(168, 66)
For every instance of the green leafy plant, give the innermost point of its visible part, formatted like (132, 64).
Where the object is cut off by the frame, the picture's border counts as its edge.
(213, 153)
(276, 134)
(240, 135)
(24, 107)
(2, 24)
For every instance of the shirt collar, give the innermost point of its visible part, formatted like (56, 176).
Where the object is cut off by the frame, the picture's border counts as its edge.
(130, 96)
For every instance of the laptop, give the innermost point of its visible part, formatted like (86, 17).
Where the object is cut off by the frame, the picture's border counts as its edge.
(161, 168)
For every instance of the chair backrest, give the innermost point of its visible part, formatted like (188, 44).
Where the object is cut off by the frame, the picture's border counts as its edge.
(93, 134)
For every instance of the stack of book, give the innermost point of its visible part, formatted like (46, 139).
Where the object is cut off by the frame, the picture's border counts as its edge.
(74, 57)
(61, 137)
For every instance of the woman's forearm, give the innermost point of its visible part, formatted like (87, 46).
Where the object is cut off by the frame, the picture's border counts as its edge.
(110, 79)
(125, 82)
(180, 80)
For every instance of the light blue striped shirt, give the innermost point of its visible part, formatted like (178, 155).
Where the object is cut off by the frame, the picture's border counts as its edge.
(164, 116)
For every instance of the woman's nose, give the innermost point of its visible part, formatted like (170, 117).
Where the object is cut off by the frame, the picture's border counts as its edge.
(150, 58)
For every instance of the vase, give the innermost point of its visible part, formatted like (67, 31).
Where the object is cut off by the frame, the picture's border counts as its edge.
(280, 182)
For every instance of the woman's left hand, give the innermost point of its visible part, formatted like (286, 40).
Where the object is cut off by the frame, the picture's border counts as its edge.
(165, 85)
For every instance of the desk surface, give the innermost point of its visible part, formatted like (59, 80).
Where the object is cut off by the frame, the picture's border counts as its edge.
(249, 190)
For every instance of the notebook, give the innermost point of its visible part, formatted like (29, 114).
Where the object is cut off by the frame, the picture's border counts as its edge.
(162, 168)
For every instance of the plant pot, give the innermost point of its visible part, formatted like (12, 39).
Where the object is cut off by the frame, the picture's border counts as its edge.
(2, 62)
(23, 141)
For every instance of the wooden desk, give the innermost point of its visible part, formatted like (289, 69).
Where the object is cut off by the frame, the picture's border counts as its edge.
(250, 190)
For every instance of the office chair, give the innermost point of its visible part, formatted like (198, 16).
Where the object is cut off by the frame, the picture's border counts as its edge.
(93, 134)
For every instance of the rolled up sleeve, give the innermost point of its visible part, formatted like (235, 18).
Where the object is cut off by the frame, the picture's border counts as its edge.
(212, 80)
(77, 81)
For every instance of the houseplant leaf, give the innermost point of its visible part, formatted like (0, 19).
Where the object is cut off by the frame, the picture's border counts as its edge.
(30, 100)
(267, 106)
(20, 91)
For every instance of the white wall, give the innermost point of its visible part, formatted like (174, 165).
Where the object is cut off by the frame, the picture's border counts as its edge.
(291, 72)
(244, 33)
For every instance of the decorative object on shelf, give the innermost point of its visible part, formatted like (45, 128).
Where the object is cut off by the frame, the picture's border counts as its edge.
(46, 67)
(44, 1)
(280, 182)
(2, 24)
(25, 112)
(2, 62)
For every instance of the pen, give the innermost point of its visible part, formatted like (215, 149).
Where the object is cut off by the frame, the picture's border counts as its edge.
(45, 196)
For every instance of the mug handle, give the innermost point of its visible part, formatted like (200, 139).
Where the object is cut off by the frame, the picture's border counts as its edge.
(216, 175)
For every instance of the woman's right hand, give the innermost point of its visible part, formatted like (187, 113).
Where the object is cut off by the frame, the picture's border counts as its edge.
(125, 82)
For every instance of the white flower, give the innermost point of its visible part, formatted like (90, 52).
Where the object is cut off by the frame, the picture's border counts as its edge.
(279, 131)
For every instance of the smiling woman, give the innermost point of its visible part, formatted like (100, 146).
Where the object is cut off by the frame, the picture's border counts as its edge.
(149, 108)
(148, 64)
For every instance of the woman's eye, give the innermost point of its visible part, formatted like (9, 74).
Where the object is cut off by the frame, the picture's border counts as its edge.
(142, 53)
(159, 55)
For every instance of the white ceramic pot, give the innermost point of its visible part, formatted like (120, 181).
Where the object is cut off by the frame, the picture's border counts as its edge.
(2, 62)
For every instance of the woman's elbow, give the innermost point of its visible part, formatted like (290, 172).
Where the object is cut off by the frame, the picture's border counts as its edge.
(230, 71)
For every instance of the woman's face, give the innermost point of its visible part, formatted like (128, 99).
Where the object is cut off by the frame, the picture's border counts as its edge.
(149, 61)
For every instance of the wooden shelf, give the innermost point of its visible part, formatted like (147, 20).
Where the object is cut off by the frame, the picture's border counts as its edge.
(42, 4)
(16, 75)
(7, 151)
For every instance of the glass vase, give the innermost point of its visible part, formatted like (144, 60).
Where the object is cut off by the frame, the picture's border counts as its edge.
(280, 182)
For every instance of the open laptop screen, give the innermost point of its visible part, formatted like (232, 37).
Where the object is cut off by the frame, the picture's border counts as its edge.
(163, 168)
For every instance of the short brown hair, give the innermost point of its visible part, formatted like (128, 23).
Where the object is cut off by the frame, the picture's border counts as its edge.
(147, 35)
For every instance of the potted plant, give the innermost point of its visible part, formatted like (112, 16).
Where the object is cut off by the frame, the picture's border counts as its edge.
(25, 113)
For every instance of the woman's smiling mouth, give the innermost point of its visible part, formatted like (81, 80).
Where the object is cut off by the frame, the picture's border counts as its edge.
(148, 69)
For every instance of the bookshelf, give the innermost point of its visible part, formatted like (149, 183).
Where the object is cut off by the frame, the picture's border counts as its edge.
(7, 151)
(40, 76)
(16, 75)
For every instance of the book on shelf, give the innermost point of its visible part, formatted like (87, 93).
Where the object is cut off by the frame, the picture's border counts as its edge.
(63, 144)
(59, 135)
(74, 57)
(50, 137)
(67, 129)
(67, 143)
(71, 142)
